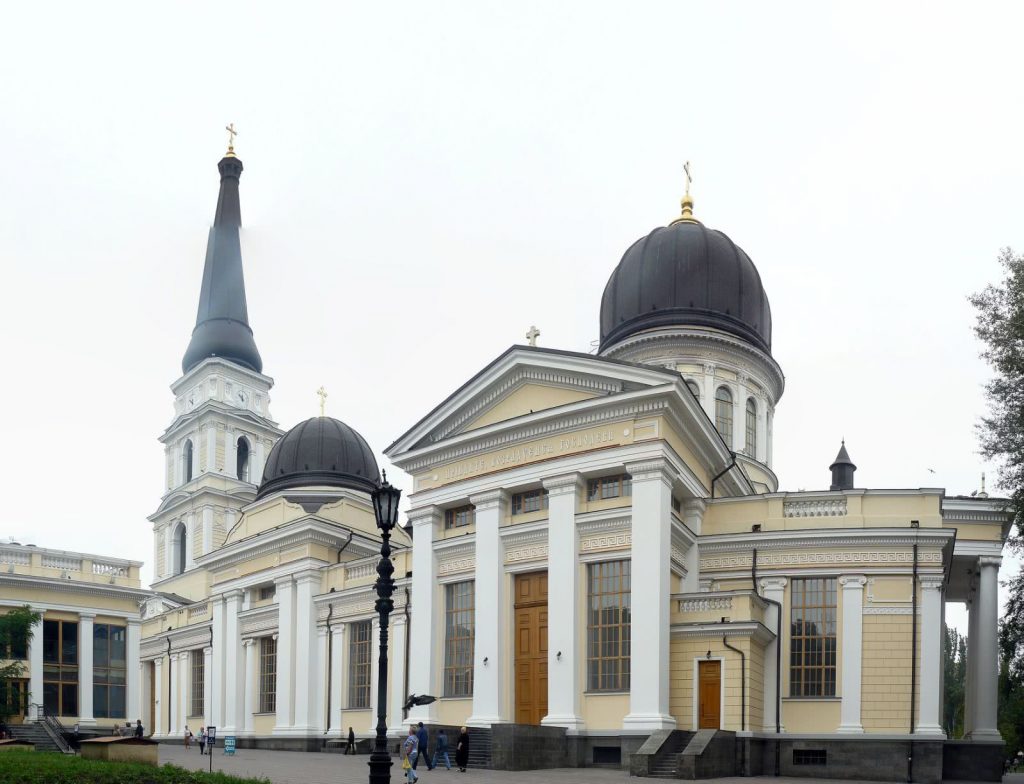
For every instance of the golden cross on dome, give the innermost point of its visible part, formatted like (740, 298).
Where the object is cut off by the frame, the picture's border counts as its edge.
(322, 394)
(232, 133)
(532, 335)
(689, 177)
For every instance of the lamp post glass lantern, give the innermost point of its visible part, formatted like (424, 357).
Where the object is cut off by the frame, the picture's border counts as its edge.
(385, 509)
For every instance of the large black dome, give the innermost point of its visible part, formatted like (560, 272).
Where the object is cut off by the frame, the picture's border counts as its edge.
(686, 275)
(320, 451)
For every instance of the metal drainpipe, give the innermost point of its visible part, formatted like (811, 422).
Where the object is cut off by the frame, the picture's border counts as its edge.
(913, 665)
(170, 697)
(743, 695)
(330, 655)
(408, 642)
(778, 660)
(722, 473)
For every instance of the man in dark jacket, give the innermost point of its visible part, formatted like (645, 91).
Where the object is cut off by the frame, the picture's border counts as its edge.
(138, 729)
(422, 737)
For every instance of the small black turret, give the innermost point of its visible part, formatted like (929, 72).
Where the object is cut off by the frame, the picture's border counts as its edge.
(842, 470)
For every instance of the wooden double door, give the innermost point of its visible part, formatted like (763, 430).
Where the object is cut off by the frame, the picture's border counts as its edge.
(531, 647)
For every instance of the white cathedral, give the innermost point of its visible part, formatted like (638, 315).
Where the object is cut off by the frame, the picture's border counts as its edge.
(599, 567)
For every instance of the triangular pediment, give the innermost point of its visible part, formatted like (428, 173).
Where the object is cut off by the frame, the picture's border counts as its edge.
(525, 381)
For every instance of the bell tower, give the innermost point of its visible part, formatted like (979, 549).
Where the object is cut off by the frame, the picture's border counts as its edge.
(221, 431)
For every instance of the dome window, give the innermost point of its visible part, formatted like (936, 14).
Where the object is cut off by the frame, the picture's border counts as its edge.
(751, 440)
(723, 414)
(694, 387)
(186, 460)
(242, 459)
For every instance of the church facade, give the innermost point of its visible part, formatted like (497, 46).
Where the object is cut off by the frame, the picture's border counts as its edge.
(599, 566)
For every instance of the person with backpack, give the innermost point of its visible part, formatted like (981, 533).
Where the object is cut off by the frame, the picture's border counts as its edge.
(441, 750)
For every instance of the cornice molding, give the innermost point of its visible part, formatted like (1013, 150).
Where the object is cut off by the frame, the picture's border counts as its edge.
(74, 586)
(830, 538)
(752, 629)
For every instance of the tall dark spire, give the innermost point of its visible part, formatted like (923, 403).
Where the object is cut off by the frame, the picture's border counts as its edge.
(222, 324)
(842, 470)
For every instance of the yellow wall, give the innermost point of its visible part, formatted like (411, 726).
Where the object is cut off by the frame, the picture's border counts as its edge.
(885, 689)
(681, 694)
(604, 711)
(809, 715)
(526, 400)
(454, 712)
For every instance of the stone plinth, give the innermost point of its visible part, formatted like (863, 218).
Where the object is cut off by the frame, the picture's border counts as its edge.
(121, 750)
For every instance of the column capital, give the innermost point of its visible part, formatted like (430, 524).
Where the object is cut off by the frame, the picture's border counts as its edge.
(424, 516)
(932, 582)
(208, 651)
(694, 506)
(283, 582)
(564, 484)
(86, 616)
(234, 593)
(853, 582)
(773, 583)
(657, 469)
(307, 576)
(130, 622)
(246, 643)
(990, 560)
(321, 631)
(491, 499)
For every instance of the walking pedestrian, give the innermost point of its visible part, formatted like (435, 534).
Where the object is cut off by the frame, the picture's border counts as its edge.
(188, 738)
(351, 748)
(422, 739)
(409, 755)
(441, 750)
(462, 750)
(202, 740)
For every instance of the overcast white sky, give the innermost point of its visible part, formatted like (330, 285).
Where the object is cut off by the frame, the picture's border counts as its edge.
(424, 181)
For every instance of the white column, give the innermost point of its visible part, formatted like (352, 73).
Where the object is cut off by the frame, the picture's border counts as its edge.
(337, 674)
(929, 720)
(211, 451)
(320, 681)
(169, 549)
(375, 664)
(285, 597)
(158, 703)
(35, 663)
(194, 438)
(207, 530)
(190, 540)
(233, 673)
(693, 517)
(773, 588)
(185, 690)
(427, 624)
(971, 680)
(252, 680)
(762, 429)
(85, 717)
(739, 419)
(987, 672)
(306, 653)
(650, 579)
(216, 708)
(396, 680)
(564, 686)
(490, 612)
(770, 426)
(178, 466)
(175, 704)
(145, 700)
(208, 687)
(230, 452)
(133, 691)
(256, 469)
(853, 652)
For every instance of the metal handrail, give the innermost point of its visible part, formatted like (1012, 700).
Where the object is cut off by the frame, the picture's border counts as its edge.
(53, 727)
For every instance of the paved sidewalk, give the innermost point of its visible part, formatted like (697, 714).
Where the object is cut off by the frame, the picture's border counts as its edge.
(294, 767)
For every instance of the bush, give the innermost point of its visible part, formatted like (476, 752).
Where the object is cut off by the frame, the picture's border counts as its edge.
(21, 767)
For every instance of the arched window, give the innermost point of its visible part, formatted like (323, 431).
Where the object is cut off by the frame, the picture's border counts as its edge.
(751, 441)
(723, 414)
(694, 387)
(180, 548)
(186, 461)
(243, 459)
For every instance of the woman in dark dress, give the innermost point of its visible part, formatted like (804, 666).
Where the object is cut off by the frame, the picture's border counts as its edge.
(462, 750)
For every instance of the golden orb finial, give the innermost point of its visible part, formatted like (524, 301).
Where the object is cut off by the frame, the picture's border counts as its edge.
(687, 201)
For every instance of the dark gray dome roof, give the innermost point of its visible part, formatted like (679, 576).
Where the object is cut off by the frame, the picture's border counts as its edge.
(320, 451)
(686, 275)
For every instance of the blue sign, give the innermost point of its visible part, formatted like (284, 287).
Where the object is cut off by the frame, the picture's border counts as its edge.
(229, 744)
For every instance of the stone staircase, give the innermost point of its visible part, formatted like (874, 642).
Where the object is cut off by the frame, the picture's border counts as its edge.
(666, 764)
(479, 748)
(34, 733)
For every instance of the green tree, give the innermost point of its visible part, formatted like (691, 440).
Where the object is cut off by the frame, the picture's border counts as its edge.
(954, 665)
(15, 635)
(1000, 326)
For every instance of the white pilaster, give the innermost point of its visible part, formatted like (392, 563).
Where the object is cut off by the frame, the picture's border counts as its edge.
(233, 672)
(85, 673)
(762, 429)
(172, 668)
(208, 687)
(971, 680)
(774, 589)
(563, 613)
(211, 450)
(256, 467)
(489, 654)
(306, 653)
(929, 720)
(190, 541)
(285, 597)
(375, 668)
(185, 690)
(35, 663)
(133, 692)
(320, 679)
(169, 549)
(230, 452)
(252, 683)
(739, 419)
(396, 697)
(708, 399)
(650, 581)
(159, 709)
(216, 708)
(853, 652)
(207, 530)
(427, 622)
(987, 672)
(194, 438)
(337, 675)
(693, 517)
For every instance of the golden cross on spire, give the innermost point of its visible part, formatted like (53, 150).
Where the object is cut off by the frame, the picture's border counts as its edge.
(322, 393)
(232, 133)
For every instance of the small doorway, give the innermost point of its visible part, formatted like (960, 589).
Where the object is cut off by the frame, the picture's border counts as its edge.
(709, 690)
(531, 630)
(16, 700)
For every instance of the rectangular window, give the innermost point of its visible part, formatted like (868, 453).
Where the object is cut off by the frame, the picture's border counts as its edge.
(459, 517)
(812, 647)
(267, 592)
(360, 647)
(610, 487)
(109, 671)
(608, 626)
(268, 675)
(530, 501)
(809, 757)
(198, 683)
(60, 667)
(459, 633)
(751, 430)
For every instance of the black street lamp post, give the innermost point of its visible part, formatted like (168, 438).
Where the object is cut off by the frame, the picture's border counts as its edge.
(385, 509)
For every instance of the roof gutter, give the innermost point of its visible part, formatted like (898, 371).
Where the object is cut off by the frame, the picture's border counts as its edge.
(723, 472)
